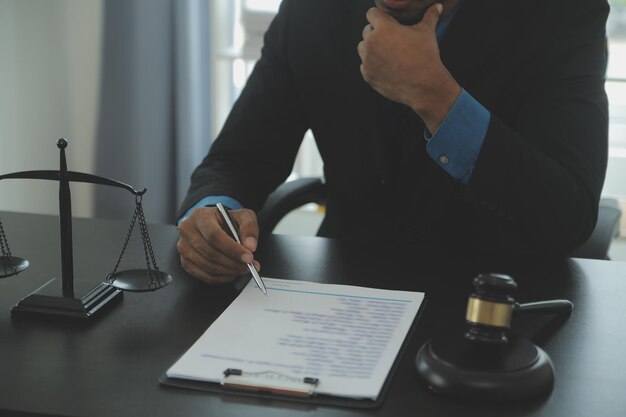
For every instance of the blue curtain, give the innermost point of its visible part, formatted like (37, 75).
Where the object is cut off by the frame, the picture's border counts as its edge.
(154, 119)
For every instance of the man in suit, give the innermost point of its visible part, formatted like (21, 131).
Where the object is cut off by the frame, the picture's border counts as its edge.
(474, 127)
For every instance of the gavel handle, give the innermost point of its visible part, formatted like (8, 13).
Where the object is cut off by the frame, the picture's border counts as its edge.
(545, 307)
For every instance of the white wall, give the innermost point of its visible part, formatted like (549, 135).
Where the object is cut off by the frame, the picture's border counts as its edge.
(49, 82)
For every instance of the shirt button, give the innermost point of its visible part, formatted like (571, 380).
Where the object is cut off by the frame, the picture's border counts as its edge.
(443, 159)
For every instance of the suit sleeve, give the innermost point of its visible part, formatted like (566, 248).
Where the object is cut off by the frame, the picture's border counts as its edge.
(542, 176)
(256, 148)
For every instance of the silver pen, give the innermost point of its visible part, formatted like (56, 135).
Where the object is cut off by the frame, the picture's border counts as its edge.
(235, 232)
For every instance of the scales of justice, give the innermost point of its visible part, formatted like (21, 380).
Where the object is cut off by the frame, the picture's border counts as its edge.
(46, 300)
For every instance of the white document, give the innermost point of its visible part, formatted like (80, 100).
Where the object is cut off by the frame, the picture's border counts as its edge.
(347, 337)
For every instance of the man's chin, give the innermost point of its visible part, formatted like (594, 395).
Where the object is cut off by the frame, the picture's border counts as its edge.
(402, 16)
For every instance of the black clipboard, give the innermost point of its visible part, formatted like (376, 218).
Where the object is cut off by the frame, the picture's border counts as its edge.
(315, 399)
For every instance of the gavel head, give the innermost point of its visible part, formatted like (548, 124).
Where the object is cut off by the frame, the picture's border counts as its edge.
(489, 308)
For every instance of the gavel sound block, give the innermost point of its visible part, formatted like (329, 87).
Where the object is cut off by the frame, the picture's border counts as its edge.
(486, 362)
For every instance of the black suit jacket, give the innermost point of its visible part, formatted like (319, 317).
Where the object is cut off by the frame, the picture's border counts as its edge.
(537, 66)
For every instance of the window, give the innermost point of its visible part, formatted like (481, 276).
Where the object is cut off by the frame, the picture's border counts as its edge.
(615, 184)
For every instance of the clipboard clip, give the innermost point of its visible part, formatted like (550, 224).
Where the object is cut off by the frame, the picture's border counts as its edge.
(269, 381)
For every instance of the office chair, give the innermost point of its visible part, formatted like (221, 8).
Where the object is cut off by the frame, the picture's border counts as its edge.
(287, 197)
(293, 194)
(607, 228)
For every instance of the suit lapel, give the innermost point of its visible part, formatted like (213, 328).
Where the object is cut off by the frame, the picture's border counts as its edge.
(478, 29)
(366, 99)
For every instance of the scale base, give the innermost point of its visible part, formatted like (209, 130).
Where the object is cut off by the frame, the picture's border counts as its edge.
(47, 302)
(455, 366)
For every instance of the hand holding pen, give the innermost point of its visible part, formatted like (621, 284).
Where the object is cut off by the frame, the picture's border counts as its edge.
(234, 230)
(207, 249)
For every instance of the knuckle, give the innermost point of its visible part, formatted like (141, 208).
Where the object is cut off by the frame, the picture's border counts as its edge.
(209, 237)
(246, 216)
(363, 55)
(366, 74)
(248, 219)
(184, 227)
(251, 214)
(185, 264)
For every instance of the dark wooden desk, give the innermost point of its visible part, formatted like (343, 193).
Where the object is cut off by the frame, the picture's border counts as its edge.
(110, 367)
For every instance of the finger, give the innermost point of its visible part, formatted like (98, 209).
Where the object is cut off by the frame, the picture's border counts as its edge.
(377, 17)
(248, 228)
(431, 17)
(194, 261)
(213, 262)
(361, 50)
(193, 269)
(367, 30)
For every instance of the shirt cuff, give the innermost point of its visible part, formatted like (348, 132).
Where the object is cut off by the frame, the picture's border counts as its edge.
(211, 201)
(456, 144)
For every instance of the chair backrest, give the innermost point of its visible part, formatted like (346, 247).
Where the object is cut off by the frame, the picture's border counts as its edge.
(287, 197)
(607, 228)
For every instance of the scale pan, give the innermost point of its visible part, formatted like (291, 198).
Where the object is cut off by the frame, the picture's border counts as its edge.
(7, 268)
(138, 280)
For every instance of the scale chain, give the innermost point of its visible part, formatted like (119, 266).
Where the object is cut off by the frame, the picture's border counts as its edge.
(6, 250)
(152, 268)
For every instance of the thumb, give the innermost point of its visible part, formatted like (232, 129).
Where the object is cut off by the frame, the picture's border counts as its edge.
(431, 17)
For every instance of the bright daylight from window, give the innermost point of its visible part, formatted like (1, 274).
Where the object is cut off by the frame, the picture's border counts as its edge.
(615, 184)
